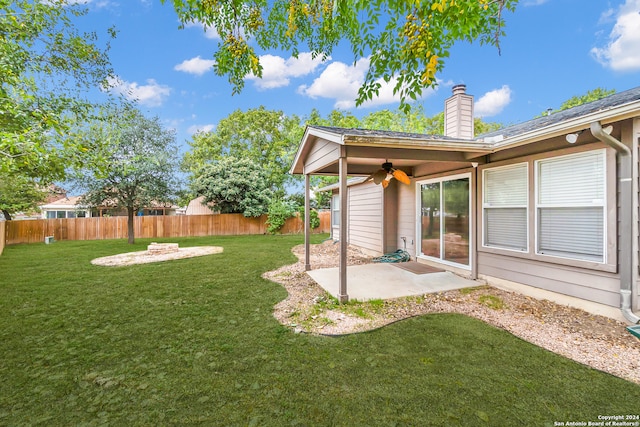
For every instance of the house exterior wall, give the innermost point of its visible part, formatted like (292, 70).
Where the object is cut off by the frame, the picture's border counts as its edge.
(366, 217)
(406, 218)
(585, 280)
(597, 282)
(366, 209)
(632, 133)
(321, 153)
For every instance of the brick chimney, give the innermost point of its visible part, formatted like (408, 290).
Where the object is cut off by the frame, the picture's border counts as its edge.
(458, 114)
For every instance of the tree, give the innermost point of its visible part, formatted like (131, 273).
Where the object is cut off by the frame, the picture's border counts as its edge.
(47, 68)
(574, 101)
(405, 41)
(234, 185)
(135, 169)
(592, 95)
(269, 138)
(19, 193)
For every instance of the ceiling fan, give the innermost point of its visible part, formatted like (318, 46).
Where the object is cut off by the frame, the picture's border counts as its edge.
(384, 175)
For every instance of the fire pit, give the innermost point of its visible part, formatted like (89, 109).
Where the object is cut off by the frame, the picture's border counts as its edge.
(162, 248)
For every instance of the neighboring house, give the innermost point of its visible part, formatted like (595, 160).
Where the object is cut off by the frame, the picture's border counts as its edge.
(70, 207)
(196, 207)
(551, 203)
(66, 207)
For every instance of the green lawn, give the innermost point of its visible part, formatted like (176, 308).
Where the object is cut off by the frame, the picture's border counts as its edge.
(194, 342)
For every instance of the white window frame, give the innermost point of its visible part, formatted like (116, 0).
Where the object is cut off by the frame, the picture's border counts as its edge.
(418, 206)
(600, 203)
(486, 206)
(335, 210)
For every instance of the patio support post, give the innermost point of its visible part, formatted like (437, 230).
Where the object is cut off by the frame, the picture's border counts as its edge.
(342, 293)
(307, 223)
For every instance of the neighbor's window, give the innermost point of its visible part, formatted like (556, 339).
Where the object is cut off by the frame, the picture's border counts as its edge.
(505, 207)
(335, 210)
(570, 206)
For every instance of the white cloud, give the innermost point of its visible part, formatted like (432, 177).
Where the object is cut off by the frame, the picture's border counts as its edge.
(277, 72)
(622, 53)
(209, 32)
(197, 65)
(534, 2)
(192, 130)
(152, 94)
(341, 82)
(493, 102)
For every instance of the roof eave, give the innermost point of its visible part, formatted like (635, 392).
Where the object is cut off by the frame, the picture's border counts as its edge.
(606, 116)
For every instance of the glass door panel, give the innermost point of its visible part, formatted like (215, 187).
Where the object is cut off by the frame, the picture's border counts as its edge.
(430, 194)
(456, 220)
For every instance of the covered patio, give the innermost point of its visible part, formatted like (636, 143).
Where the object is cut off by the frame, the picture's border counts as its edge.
(387, 281)
(356, 152)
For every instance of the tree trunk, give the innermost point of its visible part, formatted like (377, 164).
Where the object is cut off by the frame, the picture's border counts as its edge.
(7, 215)
(130, 233)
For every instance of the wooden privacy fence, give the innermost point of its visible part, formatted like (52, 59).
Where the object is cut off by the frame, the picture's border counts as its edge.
(2, 236)
(34, 231)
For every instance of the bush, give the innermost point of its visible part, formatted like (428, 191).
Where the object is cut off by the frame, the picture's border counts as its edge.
(314, 219)
(279, 211)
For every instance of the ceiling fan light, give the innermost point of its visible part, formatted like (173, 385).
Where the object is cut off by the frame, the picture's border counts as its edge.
(401, 176)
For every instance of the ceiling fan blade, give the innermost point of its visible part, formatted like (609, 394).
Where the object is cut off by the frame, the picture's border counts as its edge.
(401, 176)
(385, 183)
(379, 176)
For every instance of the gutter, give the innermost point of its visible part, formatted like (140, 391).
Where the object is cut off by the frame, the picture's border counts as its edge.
(626, 234)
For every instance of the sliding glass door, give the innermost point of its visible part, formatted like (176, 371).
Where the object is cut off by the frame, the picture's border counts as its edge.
(444, 219)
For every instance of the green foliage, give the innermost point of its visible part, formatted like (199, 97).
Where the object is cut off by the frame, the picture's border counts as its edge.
(405, 41)
(234, 185)
(590, 96)
(314, 218)
(135, 170)
(19, 193)
(279, 211)
(47, 68)
(268, 138)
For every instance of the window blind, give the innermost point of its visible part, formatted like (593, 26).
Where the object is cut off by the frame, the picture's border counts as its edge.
(571, 206)
(505, 207)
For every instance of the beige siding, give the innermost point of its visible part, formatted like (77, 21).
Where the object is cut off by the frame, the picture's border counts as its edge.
(365, 217)
(589, 281)
(390, 230)
(406, 222)
(459, 116)
(322, 152)
(600, 287)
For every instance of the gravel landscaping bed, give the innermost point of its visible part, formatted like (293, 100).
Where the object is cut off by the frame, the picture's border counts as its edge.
(596, 341)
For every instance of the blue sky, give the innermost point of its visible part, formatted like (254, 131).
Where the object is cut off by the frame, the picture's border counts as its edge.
(553, 50)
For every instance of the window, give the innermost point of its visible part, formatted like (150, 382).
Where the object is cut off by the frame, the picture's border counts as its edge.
(335, 210)
(504, 207)
(570, 206)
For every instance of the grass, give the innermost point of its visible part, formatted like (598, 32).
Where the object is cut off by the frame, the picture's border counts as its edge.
(194, 342)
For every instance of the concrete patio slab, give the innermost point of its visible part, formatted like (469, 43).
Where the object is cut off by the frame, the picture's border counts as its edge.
(385, 281)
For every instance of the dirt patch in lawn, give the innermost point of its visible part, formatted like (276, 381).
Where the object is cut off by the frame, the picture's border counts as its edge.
(144, 257)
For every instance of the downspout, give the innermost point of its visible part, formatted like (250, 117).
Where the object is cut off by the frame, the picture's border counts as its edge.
(625, 234)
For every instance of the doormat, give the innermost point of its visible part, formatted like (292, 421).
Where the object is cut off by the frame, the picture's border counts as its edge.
(417, 267)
